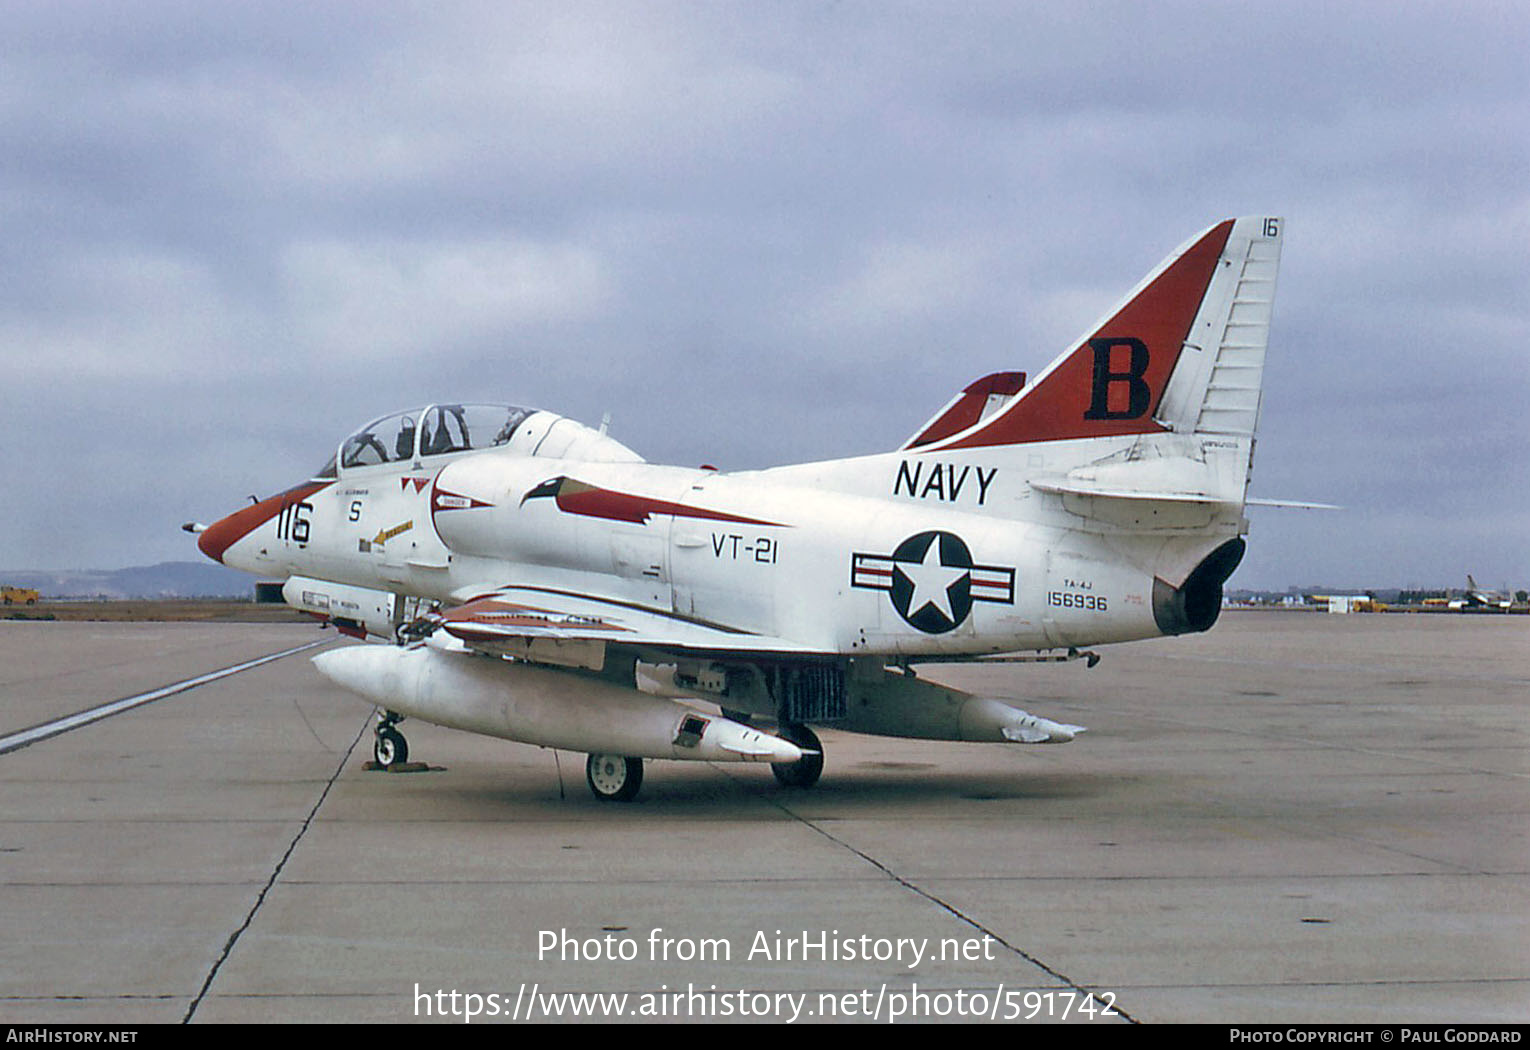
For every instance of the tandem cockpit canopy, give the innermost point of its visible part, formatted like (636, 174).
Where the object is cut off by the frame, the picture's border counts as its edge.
(437, 430)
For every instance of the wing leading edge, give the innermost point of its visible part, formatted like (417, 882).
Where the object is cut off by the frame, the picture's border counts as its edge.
(573, 629)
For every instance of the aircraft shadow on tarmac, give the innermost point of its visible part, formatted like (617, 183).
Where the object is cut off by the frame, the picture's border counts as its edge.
(867, 784)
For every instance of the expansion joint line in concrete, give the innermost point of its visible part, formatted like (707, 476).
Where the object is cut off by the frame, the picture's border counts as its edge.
(950, 909)
(276, 872)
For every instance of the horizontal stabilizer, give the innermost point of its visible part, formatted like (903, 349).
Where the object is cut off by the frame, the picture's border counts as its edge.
(1168, 484)
(1076, 488)
(1293, 504)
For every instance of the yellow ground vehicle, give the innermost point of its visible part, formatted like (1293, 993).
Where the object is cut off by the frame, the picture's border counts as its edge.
(19, 595)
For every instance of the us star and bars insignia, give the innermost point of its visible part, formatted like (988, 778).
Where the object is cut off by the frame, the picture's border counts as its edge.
(932, 580)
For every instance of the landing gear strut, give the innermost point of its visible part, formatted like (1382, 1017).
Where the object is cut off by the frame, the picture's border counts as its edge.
(804, 772)
(614, 778)
(389, 747)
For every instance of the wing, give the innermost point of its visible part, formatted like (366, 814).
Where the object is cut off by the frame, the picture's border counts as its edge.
(560, 627)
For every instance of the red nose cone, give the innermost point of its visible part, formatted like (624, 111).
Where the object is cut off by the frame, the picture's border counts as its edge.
(210, 544)
(221, 535)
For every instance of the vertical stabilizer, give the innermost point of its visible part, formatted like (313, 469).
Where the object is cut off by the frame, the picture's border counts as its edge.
(1183, 352)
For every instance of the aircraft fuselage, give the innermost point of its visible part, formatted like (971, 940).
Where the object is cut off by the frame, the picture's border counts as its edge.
(840, 572)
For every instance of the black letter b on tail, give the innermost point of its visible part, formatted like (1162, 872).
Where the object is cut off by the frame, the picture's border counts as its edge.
(1139, 394)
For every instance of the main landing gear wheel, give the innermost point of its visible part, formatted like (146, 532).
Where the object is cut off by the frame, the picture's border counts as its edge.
(389, 747)
(804, 772)
(614, 778)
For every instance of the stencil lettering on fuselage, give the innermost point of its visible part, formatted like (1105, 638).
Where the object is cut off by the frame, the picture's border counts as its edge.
(943, 481)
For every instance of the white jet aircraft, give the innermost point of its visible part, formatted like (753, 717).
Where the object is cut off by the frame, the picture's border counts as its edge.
(1476, 598)
(540, 582)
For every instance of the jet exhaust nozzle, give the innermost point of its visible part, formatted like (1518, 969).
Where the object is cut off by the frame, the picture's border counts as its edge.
(1194, 605)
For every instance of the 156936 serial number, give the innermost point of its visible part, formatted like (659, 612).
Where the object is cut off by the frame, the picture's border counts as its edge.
(1076, 600)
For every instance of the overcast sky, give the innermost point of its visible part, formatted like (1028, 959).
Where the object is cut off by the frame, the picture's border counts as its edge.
(754, 234)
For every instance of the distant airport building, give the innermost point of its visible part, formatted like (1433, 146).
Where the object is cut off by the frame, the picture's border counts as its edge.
(1350, 603)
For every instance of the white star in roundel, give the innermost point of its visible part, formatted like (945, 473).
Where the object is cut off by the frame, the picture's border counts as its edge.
(932, 579)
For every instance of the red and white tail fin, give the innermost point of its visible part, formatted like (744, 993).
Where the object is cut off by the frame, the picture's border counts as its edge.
(1184, 352)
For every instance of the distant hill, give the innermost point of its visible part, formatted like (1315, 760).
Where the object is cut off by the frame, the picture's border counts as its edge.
(170, 579)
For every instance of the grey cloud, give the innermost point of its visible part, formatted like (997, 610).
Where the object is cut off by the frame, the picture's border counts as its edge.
(751, 234)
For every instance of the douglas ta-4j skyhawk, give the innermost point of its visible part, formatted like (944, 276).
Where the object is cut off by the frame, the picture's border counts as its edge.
(538, 581)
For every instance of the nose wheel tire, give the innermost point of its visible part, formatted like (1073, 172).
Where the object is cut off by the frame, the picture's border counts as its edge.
(389, 747)
(804, 772)
(614, 778)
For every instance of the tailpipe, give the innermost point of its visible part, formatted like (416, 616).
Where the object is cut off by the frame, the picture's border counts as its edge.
(1194, 605)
